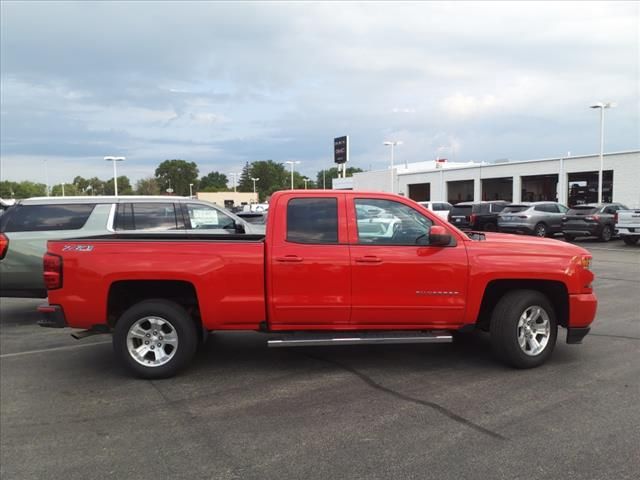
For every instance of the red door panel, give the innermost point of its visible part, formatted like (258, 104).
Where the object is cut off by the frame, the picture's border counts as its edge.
(309, 284)
(402, 286)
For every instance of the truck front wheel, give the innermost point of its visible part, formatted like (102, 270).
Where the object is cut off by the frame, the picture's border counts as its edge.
(155, 338)
(523, 328)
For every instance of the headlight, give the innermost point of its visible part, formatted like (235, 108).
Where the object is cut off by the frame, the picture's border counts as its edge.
(586, 262)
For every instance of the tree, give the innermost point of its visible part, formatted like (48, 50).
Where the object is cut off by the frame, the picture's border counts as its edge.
(213, 182)
(89, 186)
(245, 184)
(24, 189)
(273, 176)
(333, 173)
(69, 190)
(176, 174)
(124, 186)
(147, 186)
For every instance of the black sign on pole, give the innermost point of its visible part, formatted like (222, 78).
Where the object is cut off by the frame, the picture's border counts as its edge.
(341, 150)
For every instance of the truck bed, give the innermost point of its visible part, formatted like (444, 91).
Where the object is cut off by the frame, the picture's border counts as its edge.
(226, 271)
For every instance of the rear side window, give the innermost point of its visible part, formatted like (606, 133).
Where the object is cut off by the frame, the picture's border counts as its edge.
(515, 208)
(547, 207)
(497, 207)
(146, 216)
(480, 208)
(41, 218)
(312, 220)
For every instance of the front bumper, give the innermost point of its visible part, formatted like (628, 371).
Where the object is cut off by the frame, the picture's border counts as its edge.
(51, 316)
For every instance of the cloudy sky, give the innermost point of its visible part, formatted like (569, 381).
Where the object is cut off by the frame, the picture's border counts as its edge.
(225, 83)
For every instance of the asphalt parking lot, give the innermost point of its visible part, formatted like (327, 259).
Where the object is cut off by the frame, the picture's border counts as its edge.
(68, 410)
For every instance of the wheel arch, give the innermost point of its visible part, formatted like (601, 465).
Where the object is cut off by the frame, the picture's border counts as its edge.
(126, 293)
(555, 291)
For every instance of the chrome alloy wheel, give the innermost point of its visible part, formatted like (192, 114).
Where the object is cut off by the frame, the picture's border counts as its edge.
(152, 341)
(534, 330)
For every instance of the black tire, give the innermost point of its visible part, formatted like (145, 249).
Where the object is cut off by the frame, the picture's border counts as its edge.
(504, 328)
(490, 227)
(541, 230)
(170, 312)
(568, 237)
(606, 233)
(630, 240)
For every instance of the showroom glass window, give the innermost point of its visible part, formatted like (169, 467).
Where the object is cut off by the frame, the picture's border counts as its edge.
(387, 222)
(312, 220)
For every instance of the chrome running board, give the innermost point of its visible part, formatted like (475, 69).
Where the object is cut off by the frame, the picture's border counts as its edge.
(310, 339)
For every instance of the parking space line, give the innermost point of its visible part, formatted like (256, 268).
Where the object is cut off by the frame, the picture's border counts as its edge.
(54, 349)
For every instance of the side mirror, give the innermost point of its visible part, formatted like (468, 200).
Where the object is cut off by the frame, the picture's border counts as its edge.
(438, 236)
(240, 227)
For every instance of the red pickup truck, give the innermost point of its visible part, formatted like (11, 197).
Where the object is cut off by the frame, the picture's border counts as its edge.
(334, 268)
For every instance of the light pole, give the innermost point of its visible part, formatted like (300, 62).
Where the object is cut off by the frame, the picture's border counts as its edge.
(234, 174)
(46, 174)
(115, 172)
(191, 190)
(602, 107)
(306, 181)
(254, 180)
(63, 189)
(392, 144)
(292, 163)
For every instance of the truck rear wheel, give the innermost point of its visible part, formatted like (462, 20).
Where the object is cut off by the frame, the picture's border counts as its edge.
(523, 328)
(155, 338)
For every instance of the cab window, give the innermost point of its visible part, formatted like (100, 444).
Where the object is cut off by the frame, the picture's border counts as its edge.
(387, 222)
(312, 220)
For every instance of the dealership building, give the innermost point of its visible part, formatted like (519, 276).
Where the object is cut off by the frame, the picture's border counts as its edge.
(570, 180)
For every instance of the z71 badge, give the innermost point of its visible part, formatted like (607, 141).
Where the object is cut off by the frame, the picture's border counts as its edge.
(77, 248)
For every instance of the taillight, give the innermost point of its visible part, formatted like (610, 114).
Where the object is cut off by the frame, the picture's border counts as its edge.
(523, 216)
(52, 271)
(4, 245)
(592, 218)
(472, 218)
(615, 217)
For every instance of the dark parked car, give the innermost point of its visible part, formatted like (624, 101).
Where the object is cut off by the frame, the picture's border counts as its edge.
(541, 219)
(592, 220)
(477, 215)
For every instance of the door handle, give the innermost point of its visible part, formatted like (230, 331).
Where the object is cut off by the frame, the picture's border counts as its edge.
(289, 259)
(368, 259)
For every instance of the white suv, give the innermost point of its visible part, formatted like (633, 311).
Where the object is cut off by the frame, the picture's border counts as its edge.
(439, 208)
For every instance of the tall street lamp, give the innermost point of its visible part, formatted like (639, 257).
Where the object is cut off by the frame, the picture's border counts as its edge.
(292, 163)
(602, 106)
(234, 175)
(254, 180)
(46, 174)
(191, 190)
(392, 144)
(306, 181)
(115, 172)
